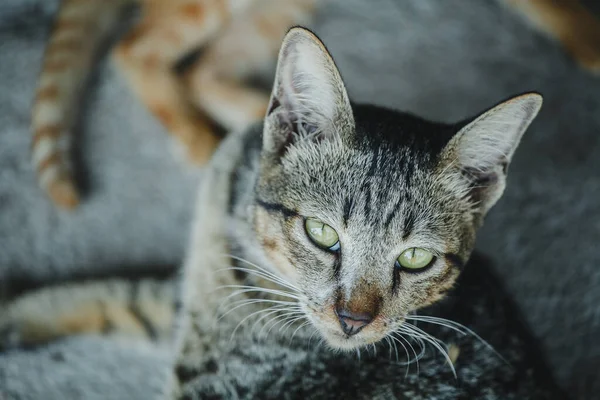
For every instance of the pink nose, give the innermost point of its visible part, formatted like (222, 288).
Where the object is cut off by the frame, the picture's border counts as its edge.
(351, 322)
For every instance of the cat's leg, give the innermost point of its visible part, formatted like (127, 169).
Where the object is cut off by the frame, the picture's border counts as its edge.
(248, 46)
(143, 308)
(167, 31)
(569, 22)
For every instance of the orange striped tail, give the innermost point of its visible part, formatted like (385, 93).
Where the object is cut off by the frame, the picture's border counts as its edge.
(79, 29)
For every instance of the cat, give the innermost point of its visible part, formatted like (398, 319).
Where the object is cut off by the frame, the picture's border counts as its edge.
(240, 39)
(335, 222)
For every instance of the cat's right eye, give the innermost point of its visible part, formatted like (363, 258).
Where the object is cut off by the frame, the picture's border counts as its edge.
(415, 259)
(322, 234)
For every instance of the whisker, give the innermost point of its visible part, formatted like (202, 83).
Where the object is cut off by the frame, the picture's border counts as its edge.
(458, 327)
(269, 309)
(408, 361)
(246, 302)
(417, 356)
(271, 278)
(286, 319)
(421, 344)
(387, 339)
(252, 289)
(434, 342)
(289, 323)
(374, 349)
(395, 350)
(311, 336)
(275, 319)
(321, 341)
(232, 303)
(437, 321)
(263, 300)
(298, 328)
(265, 316)
(259, 319)
(418, 334)
(229, 301)
(264, 270)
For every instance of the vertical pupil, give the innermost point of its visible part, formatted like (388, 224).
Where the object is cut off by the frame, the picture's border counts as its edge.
(317, 231)
(411, 255)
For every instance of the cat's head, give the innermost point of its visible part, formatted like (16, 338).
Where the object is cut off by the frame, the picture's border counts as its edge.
(370, 212)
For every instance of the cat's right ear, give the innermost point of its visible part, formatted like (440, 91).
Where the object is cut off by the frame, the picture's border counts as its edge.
(309, 100)
(482, 150)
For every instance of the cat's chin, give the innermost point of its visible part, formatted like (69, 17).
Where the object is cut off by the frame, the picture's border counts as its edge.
(342, 342)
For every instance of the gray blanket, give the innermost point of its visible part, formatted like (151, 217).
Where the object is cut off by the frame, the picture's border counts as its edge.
(442, 59)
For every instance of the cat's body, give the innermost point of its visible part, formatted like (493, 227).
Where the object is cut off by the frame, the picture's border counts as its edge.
(239, 39)
(265, 298)
(269, 357)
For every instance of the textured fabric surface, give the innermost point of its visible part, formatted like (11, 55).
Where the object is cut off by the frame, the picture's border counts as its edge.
(442, 59)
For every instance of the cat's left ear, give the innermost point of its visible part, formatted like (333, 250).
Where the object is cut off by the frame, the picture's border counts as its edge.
(483, 149)
(309, 100)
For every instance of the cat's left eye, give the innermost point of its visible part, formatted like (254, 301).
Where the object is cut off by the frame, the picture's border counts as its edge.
(322, 234)
(415, 258)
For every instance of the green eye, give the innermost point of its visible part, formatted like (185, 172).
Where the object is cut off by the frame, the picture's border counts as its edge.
(415, 258)
(322, 234)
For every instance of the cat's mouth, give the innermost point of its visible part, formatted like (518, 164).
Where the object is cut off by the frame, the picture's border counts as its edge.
(342, 338)
(342, 341)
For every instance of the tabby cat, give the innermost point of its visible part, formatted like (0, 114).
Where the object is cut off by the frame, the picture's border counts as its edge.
(239, 38)
(320, 233)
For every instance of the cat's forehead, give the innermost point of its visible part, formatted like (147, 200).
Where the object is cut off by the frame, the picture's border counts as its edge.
(398, 140)
(366, 189)
(384, 148)
(398, 132)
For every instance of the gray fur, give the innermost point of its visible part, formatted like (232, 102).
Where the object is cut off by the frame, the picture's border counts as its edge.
(469, 53)
(378, 160)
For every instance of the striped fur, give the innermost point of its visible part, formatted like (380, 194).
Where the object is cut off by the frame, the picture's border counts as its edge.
(239, 39)
(79, 27)
(385, 180)
(142, 308)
